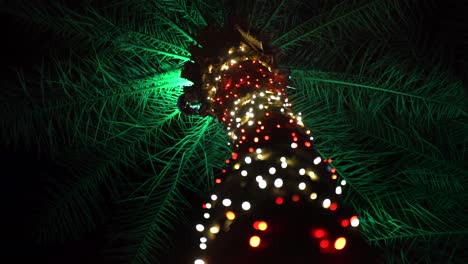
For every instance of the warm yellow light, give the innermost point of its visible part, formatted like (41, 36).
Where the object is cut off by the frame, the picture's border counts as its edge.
(254, 241)
(214, 229)
(262, 226)
(230, 215)
(340, 243)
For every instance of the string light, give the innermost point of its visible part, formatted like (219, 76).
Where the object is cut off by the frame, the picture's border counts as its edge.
(340, 243)
(226, 202)
(245, 206)
(278, 183)
(200, 227)
(338, 190)
(254, 241)
(252, 118)
(354, 221)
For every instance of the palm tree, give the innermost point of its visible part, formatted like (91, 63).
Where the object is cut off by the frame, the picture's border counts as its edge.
(380, 96)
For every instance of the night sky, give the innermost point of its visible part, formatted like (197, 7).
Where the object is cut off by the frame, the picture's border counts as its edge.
(23, 171)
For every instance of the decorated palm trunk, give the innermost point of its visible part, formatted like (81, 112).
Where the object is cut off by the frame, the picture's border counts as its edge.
(277, 199)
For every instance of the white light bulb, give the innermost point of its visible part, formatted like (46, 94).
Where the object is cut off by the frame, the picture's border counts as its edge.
(248, 160)
(343, 182)
(313, 196)
(302, 186)
(203, 239)
(338, 190)
(317, 160)
(200, 228)
(284, 165)
(294, 145)
(206, 215)
(245, 206)
(208, 205)
(278, 183)
(302, 171)
(259, 150)
(354, 222)
(283, 159)
(203, 246)
(262, 184)
(199, 261)
(272, 170)
(214, 197)
(259, 178)
(326, 203)
(244, 173)
(226, 202)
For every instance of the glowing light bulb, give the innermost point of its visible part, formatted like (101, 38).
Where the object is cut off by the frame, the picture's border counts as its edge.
(214, 197)
(226, 202)
(259, 150)
(203, 239)
(259, 178)
(254, 241)
(317, 160)
(230, 215)
(302, 171)
(294, 145)
(283, 159)
(312, 175)
(302, 186)
(340, 243)
(262, 184)
(214, 229)
(245, 206)
(199, 261)
(206, 215)
(260, 225)
(200, 227)
(248, 160)
(202, 246)
(278, 183)
(284, 165)
(326, 203)
(354, 221)
(313, 196)
(244, 173)
(319, 233)
(343, 182)
(338, 190)
(272, 170)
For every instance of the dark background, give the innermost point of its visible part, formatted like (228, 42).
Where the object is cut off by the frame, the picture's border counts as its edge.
(22, 170)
